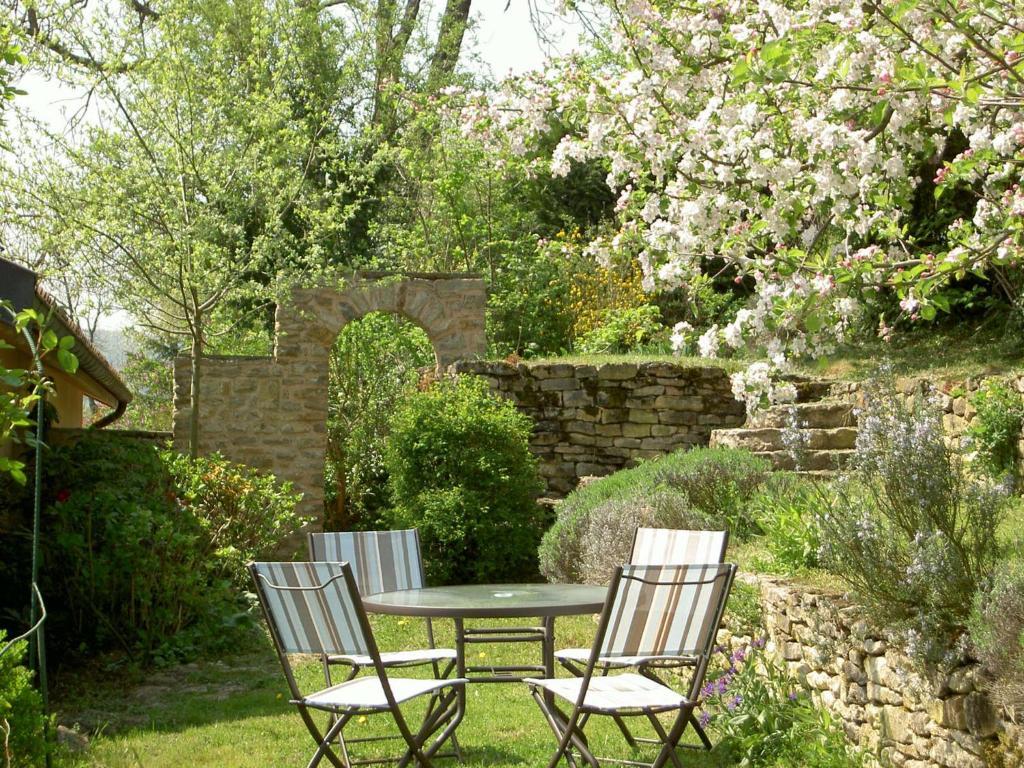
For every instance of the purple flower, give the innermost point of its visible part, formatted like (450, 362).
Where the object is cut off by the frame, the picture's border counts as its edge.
(704, 719)
(722, 684)
(719, 649)
(760, 642)
(735, 701)
(707, 690)
(739, 654)
(793, 696)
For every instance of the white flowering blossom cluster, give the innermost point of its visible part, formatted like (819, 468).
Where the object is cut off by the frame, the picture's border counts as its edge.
(789, 138)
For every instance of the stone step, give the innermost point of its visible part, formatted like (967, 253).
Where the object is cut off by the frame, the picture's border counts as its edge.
(773, 439)
(811, 462)
(811, 391)
(824, 414)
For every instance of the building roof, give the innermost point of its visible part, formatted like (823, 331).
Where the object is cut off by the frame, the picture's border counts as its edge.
(20, 286)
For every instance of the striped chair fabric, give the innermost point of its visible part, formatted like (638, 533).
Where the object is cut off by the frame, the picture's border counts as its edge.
(666, 610)
(311, 608)
(653, 611)
(664, 546)
(382, 561)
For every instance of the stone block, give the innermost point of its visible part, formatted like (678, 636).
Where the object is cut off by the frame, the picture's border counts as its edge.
(896, 725)
(616, 371)
(636, 430)
(638, 416)
(949, 713)
(980, 716)
(576, 398)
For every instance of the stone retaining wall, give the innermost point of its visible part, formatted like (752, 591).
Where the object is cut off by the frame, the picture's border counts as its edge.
(953, 397)
(902, 715)
(596, 419)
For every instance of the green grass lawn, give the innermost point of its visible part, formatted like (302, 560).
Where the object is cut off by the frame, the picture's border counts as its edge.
(235, 711)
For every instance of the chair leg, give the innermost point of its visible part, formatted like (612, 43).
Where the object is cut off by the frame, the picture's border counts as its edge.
(701, 733)
(671, 739)
(323, 740)
(567, 732)
(660, 730)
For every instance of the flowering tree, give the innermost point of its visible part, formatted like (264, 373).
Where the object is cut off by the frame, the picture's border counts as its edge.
(808, 147)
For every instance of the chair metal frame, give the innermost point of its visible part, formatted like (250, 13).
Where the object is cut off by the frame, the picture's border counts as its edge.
(317, 544)
(444, 711)
(647, 667)
(568, 729)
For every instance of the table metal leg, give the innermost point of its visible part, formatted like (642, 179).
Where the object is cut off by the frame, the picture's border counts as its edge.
(548, 647)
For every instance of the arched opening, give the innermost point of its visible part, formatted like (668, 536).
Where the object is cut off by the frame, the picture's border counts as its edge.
(375, 362)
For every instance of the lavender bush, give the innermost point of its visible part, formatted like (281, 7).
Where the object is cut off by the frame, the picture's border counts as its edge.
(911, 532)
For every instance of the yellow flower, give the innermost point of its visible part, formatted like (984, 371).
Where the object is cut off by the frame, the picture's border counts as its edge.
(482, 654)
(362, 719)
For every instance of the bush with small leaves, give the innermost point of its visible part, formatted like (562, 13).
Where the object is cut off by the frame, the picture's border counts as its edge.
(705, 488)
(997, 630)
(460, 470)
(909, 529)
(23, 741)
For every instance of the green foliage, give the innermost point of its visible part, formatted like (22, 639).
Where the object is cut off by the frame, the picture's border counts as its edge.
(701, 488)
(527, 304)
(787, 509)
(142, 549)
(743, 613)
(21, 390)
(997, 630)
(909, 529)
(623, 330)
(374, 364)
(22, 722)
(995, 431)
(460, 470)
(244, 514)
(763, 721)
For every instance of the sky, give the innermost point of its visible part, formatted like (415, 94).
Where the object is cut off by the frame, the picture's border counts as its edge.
(507, 44)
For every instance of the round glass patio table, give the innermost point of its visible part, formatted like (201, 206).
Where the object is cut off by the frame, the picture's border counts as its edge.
(495, 601)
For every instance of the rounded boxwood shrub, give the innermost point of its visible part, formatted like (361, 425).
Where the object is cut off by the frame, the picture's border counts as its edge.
(23, 742)
(704, 488)
(461, 471)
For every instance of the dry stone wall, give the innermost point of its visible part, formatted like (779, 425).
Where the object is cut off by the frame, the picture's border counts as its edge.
(596, 419)
(952, 396)
(271, 412)
(884, 703)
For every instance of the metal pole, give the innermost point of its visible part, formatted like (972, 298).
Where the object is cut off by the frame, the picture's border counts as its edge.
(37, 644)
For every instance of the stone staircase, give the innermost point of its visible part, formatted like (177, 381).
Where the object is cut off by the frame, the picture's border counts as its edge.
(816, 435)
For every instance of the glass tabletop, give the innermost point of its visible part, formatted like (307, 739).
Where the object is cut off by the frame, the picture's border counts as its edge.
(490, 601)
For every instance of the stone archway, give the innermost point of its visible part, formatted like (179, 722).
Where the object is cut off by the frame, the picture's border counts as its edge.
(271, 412)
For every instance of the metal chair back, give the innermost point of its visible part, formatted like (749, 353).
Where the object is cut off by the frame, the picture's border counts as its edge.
(665, 610)
(313, 608)
(661, 546)
(382, 561)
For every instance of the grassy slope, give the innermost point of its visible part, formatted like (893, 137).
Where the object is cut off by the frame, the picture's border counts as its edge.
(236, 713)
(949, 353)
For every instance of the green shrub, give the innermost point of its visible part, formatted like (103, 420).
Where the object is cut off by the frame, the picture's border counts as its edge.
(787, 510)
(995, 431)
(142, 549)
(910, 530)
(762, 719)
(460, 470)
(374, 363)
(623, 330)
(244, 513)
(23, 741)
(702, 488)
(997, 630)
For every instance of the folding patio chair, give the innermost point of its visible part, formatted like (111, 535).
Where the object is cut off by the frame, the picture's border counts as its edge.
(382, 561)
(657, 546)
(315, 608)
(657, 611)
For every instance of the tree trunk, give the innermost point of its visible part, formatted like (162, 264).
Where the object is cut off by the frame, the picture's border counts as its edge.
(197, 356)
